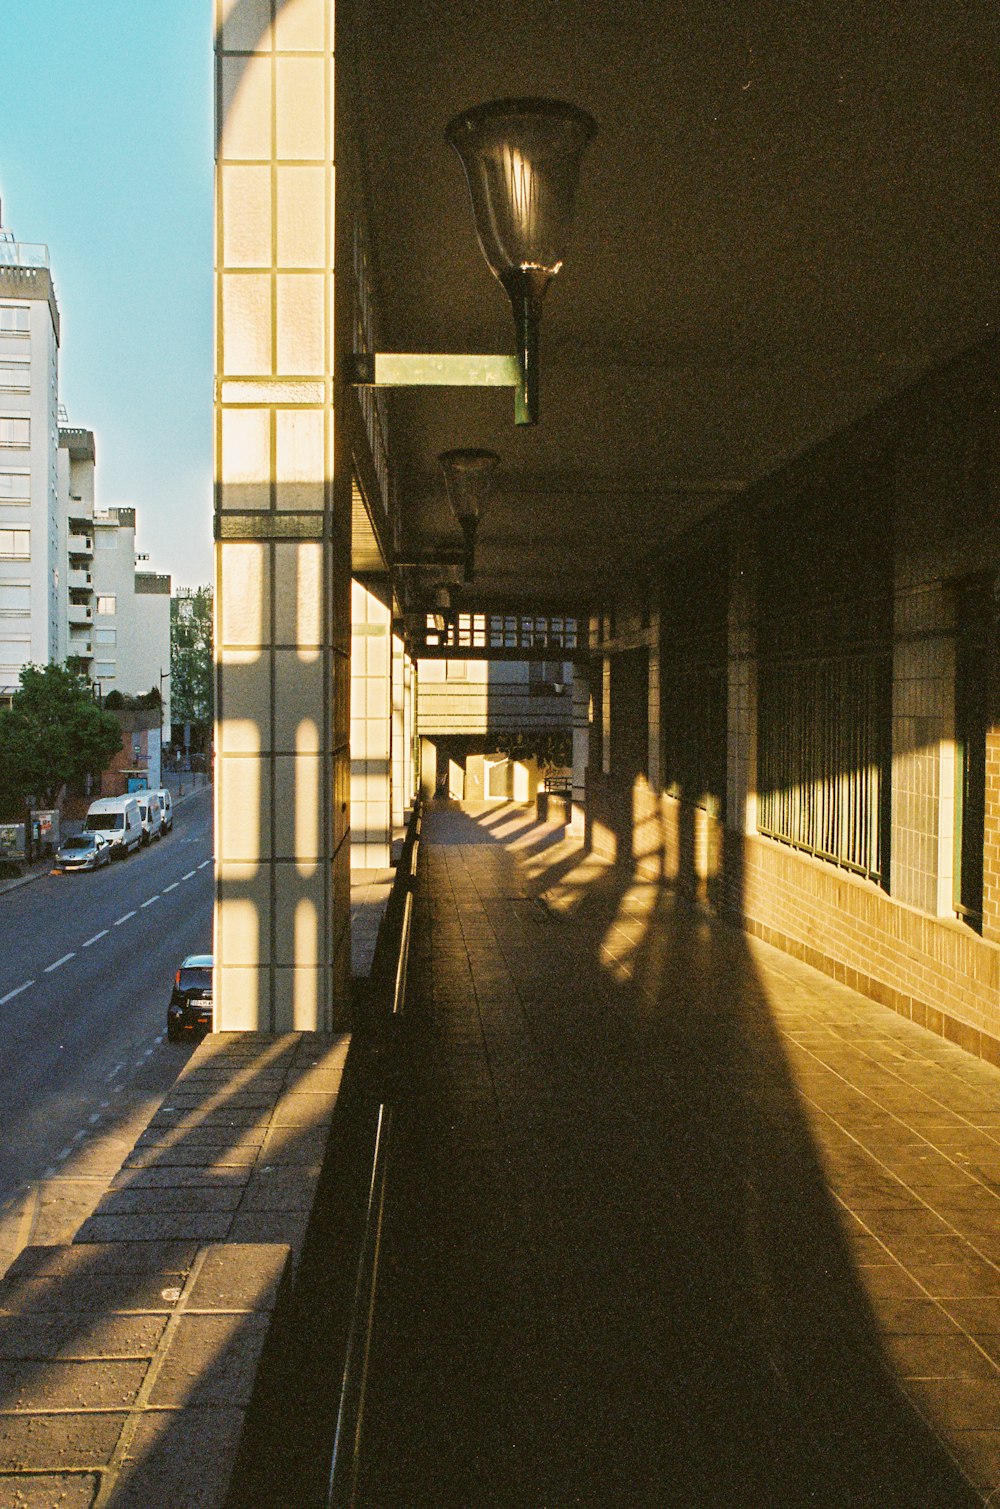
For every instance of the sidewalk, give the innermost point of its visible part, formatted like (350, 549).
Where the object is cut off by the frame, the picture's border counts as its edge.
(673, 1219)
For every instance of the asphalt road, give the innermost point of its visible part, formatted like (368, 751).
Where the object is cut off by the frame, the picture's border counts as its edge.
(86, 966)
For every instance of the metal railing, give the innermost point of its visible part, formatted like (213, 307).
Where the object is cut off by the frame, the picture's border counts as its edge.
(389, 997)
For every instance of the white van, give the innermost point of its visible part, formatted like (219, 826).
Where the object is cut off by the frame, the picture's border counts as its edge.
(151, 814)
(116, 818)
(166, 809)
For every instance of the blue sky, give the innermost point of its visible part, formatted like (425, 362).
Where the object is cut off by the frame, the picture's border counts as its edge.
(106, 155)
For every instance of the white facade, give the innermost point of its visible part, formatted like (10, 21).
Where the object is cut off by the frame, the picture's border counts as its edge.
(30, 604)
(131, 614)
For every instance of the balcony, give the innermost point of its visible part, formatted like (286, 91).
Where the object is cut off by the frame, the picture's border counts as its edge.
(79, 581)
(80, 613)
(81, 544)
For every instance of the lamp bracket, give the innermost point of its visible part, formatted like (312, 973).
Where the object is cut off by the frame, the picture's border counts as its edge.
(394, 369)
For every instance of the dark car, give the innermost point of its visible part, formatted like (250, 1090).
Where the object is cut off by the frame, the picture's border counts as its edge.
(190, 1009)
(84, 851)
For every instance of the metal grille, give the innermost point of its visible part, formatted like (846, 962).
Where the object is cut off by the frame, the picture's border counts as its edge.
(823, 757)
(498, 631)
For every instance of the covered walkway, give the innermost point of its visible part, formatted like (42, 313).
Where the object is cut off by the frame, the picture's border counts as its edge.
(673, 1219)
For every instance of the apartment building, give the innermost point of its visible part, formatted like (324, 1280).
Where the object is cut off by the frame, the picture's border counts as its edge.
(30, 603)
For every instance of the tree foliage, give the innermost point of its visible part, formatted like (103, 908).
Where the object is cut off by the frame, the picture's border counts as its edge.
(191, 681)
(552, 749)
(53, 734)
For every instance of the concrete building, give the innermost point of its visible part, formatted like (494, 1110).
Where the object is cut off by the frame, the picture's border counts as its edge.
(131, 613)
(30, 565)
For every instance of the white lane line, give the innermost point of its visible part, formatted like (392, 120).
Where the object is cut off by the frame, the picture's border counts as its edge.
(97, 937)
(60, 1157)
(124, 919)
(96, 1117)
(12, 993)
(173, 887)
(150, 901)
(116, 1070)
(59, 962)
(204, 863)
(190, 875)
(79, 1136)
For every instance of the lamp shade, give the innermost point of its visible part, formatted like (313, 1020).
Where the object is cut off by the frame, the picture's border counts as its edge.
(469, 479)
(522, 164)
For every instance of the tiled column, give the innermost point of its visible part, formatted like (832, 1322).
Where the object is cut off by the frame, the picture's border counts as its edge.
(991, 848)
(282, 529)
(398, 734)
(371, 730)
(653, 704)
(922, 862)
(581, 748)
(409, 722)
(741, 761)
(606, 714)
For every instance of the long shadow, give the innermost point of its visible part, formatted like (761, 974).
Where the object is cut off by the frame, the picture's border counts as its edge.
(614, 1273)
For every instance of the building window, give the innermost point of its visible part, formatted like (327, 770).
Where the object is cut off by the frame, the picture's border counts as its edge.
(456, 670)
(971, 700)
(15, 487)
(15, 430)
(15, 544)
(105, 636)
(104, 670)
(106, 604)
(15, 319)
(15, 600)
(15, 376)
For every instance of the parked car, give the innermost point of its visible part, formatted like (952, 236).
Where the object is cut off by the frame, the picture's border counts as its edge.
(190, 1010)
(150, 815)
(166, 809)
(117, 819)
(84, 851)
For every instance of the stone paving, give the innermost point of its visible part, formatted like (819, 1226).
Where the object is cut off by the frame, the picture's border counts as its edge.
(128, 1358)
(673, 1219)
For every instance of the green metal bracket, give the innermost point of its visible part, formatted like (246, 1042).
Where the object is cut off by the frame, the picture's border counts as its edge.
(385, 369)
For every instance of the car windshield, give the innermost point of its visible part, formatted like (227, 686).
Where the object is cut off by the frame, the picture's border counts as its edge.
(82, 841)
(195, 979)
(101, 822)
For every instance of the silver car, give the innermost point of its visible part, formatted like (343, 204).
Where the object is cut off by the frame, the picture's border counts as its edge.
(84, 851)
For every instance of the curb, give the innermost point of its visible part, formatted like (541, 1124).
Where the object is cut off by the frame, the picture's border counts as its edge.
(45, 867)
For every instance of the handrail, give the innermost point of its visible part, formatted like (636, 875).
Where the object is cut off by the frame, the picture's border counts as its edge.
(346, 1455)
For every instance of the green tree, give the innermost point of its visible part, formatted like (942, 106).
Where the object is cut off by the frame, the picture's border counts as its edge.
(191, 680)
(53, 734)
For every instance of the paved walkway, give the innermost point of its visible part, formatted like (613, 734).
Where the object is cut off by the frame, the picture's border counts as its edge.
(673, 1219)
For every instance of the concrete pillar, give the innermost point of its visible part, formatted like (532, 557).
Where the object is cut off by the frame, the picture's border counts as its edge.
(606, 714)
(653, 771)
(741, 752)
(399, 755)
(922, 871)
(409, 731)
(581, 748)
(991, 846)
(282, 527)
(371, 730)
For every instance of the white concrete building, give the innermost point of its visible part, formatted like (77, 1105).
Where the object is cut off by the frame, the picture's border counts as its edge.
(131, 614)
(30, 565)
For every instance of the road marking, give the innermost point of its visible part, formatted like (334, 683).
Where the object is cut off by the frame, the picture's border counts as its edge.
(96, 1117)
(204, 863)
(173, 887)
(12, 993)
(78, 1136)
(190, 875)
(60, 1157)
(59, 963)
(116, 1070)
(97, 937)
(150, 901)
(124, 919)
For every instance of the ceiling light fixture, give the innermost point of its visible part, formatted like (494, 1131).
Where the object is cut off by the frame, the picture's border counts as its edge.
(470, 480)
(522, 165)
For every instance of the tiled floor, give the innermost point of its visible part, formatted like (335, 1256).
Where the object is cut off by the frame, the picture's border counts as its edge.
(673, 1219)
